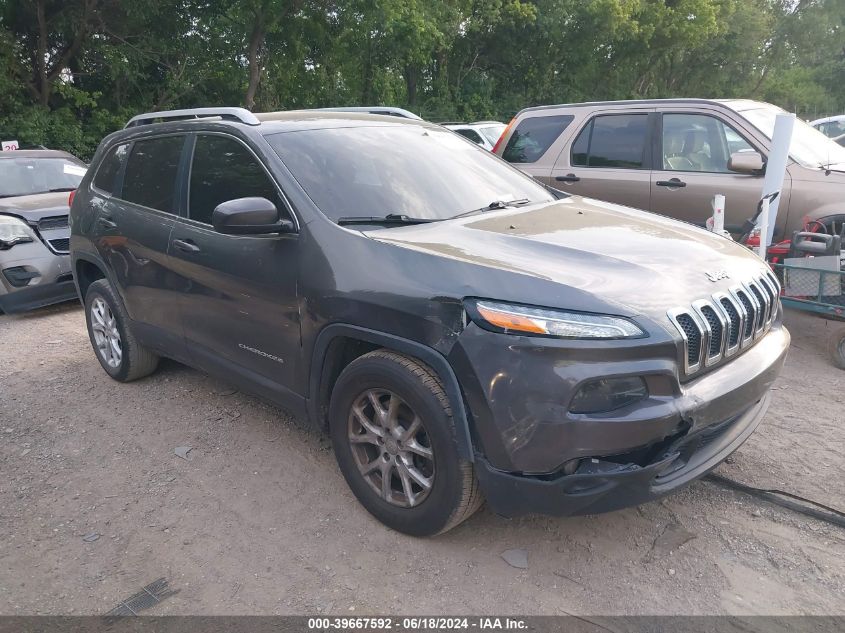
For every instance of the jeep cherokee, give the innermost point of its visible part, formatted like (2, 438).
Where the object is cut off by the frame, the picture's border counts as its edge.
(460, 330)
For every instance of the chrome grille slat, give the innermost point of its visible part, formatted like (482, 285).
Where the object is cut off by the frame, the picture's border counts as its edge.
(718, 327)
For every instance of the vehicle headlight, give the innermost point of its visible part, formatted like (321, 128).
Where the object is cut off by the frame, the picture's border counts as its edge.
(510, 318)
(14, 231)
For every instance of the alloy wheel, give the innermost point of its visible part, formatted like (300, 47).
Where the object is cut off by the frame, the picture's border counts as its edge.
(106, 335)
(391, 448)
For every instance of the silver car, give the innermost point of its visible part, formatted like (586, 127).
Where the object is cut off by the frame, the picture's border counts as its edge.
(34, 234)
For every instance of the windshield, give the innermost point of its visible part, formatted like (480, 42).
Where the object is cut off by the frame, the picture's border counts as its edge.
(492, 132)
(26, 176)
(410, 170)
(809, 147)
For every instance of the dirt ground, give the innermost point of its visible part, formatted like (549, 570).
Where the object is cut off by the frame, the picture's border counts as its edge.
(258, 519)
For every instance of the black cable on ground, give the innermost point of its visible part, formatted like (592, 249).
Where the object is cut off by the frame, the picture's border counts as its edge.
(785, 500)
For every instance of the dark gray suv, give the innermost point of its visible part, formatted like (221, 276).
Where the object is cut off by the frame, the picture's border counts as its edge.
(460, 330)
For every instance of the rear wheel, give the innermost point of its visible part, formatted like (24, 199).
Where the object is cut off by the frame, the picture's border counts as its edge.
(393, 435)
(836, 346)
(120, 354)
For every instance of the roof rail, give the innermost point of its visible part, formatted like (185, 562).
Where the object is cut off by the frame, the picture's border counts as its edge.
(233, 114)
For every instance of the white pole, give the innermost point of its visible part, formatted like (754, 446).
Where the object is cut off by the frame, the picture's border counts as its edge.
(775, 172)
(763, 248)
(718, 214)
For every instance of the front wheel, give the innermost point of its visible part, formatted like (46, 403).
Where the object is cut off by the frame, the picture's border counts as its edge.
(120, 354)
(393, 435)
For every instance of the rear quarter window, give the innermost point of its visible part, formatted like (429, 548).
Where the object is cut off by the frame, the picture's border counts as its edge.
(533, 136)
(104, 180)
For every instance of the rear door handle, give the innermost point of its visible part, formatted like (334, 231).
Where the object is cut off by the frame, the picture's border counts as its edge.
(186, 245)
(103, 221)
(672, 182)
(567, 178)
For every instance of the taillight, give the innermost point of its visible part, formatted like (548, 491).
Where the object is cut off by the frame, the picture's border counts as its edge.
(70, 198)
(503, 135)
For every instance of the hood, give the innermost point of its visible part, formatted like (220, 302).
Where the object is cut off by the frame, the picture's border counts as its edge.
(33, 208)
(639, 261)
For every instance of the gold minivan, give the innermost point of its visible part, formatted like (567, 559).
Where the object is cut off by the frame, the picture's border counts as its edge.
(671, 156)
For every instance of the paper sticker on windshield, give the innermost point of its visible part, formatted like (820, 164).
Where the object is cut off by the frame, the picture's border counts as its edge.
(74, 170)
(9, 146)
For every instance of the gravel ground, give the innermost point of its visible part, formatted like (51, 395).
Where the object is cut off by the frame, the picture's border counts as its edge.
(258, 519)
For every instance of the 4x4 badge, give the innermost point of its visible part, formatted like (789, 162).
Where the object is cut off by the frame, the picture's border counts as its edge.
(717, 275)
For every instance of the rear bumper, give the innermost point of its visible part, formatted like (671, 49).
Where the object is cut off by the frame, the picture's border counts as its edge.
(602, 486)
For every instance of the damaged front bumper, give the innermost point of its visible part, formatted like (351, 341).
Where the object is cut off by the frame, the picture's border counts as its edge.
(602, 486)
(535, 456)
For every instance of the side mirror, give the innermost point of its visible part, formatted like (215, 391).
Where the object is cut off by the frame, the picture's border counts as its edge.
(249, 216)
(747, 163)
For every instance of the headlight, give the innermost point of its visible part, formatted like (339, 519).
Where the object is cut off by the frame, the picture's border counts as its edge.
(14, 231)
(510, 318)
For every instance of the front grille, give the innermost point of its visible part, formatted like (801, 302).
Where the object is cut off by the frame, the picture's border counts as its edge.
(718, 327)
(61, 245)
(55, 222)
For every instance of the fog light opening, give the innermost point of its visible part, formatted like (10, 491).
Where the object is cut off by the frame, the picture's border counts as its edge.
(608, 394)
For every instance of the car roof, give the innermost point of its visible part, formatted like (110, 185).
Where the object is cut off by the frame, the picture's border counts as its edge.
(38, 153)
(734, 104)
(828, 119)
(262, 122)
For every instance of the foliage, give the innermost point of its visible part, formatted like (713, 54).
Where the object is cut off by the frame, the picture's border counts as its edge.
(71, 71)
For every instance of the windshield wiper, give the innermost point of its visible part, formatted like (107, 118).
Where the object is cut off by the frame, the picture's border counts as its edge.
(493, 206)
(390, 218)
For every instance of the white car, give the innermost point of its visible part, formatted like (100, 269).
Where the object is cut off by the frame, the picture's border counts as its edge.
(831, 126)
(483, 133)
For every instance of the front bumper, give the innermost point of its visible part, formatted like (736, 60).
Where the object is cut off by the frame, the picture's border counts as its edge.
(31, 277)
(518, 390)
(603, 486)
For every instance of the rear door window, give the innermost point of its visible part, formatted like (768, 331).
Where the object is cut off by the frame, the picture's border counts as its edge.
(150, 178)
(613, 140)
(224, 169)
(533, 136)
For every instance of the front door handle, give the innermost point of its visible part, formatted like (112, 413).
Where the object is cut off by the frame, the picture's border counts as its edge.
(567, 178)
(672, 182)
(102, 221)
(186, 245)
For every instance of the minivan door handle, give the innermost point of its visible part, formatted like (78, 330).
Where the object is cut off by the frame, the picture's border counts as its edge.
(186, 245)
(104, 221)
(672, 182)
(567, 178)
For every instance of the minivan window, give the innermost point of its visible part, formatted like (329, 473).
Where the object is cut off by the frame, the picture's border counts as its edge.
(533, 136)
(614, 140)
(412, 170)
(699, 142)
(109, 167)
(223, 169)
(150, 178)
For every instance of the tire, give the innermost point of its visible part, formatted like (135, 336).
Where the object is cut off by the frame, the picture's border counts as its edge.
(122, 357)
(836, 347)
(411, 454)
